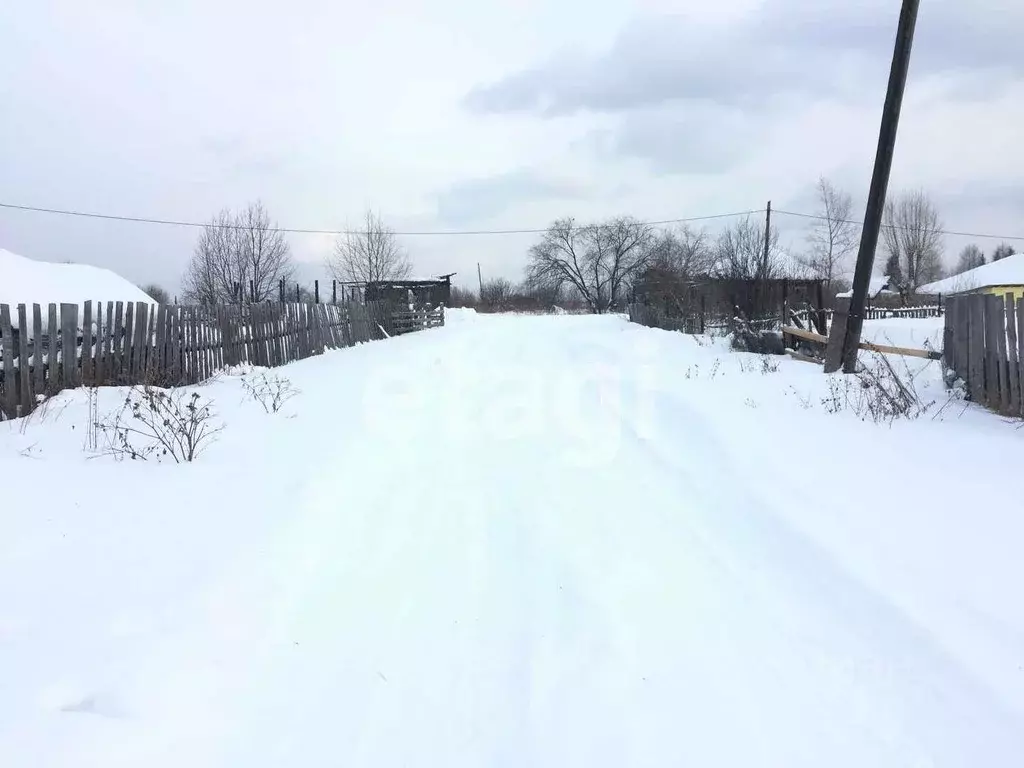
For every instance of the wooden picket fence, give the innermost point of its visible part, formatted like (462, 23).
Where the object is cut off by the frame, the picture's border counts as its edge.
(984, 345)
(125, 344)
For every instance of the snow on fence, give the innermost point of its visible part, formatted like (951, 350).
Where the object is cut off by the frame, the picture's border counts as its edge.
(138, 343)
(984, 346)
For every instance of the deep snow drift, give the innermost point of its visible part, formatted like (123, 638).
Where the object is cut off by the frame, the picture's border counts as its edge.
(24, 281)
(520, 541)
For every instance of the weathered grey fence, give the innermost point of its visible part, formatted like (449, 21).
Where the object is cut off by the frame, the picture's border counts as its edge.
(984, 345)
(123, 344)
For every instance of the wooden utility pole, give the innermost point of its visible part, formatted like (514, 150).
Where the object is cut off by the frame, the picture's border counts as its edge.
(480, 277)
(767, 231)
(848, 329)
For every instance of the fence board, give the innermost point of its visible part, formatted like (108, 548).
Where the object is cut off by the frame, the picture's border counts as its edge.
(105, 347)
(8, 397)
(141, 341)
(976, 309)
(1020, 350)
(87, 356)
(69, 345)
(38, 371)
(126, 349)
(116, 342)
(1012, 366)
(97, 363)
(999, 331)
(52, 331)
(960, 338)
(151, 369)
(24, 367)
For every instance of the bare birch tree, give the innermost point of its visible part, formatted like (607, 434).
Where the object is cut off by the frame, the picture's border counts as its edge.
(596, 262)
(911, 232)
(369, 255)
(834, 237)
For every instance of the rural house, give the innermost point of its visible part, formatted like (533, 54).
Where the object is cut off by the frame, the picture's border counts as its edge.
(1002, 277)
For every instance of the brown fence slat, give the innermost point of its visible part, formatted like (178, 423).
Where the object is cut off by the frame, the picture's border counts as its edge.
(976, 305)
(38, 370)
(999, 331)
(69, 344)
(87, 357)
(127, 364)
(8, 397)
(24, 367)
(1020, 350)
(117, 343)
(97, 363)
(1012, 366)
(52, 334)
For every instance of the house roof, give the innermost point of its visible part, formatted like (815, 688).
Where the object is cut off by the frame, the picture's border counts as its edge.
(878, 284)
(1008, 271)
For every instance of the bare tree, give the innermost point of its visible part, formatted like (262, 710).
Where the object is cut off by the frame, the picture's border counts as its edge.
(911, 232)
(740, 252)
(156, 293)
(1002, 251)
(370, 254)
(238, 257)
(595, 261)
(970, 258)
(496, 293)
(263, 252)
(834, 237)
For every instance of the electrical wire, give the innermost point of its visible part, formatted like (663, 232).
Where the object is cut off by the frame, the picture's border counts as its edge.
(293, 230)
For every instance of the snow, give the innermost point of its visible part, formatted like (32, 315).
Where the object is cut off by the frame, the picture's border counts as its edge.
(24, 281)
(1008, 271)
(520, 541)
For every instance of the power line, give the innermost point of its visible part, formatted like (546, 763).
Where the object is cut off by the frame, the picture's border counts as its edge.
(888, 226)
(292, 230)
(462, 232)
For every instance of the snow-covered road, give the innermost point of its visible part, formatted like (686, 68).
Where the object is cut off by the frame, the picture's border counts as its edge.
(516, 541)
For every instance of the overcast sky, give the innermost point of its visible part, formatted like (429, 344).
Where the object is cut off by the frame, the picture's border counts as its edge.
(462, 114)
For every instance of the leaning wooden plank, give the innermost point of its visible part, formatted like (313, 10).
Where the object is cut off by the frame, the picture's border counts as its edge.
(69, 344)
(173, 347)
(8, 395)
(52, 331)
(88, 377)
(24, 373)
(38, 371)
(1012, 365)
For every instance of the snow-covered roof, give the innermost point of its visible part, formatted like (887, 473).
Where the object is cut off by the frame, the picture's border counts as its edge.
(878, 284)
(1008, 271)
(24, 281)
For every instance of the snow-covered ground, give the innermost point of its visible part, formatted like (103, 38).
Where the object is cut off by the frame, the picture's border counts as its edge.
(520, 541)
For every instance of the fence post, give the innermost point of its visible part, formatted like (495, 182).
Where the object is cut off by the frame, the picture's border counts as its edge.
(316, 291)
(334, 291)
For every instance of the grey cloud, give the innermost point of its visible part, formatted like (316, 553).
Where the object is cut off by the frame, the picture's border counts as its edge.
(486, 197)
(796, 47)
(694, 139)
